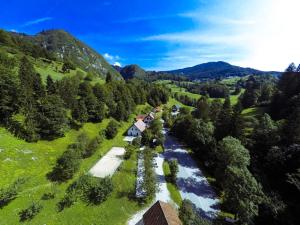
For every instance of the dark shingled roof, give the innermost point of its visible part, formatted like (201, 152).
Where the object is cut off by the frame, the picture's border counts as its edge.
(161, 213)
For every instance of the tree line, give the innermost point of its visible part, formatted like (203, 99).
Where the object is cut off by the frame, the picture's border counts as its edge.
(256, 168)
(33, 110)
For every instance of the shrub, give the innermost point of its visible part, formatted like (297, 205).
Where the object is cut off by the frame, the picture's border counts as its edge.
(82, 144)
(66, 166)
(48, 196)
(67, 201)
(92, 146)
(129, 151)
(112, 129)
(137, 142)
(91, 189)
(99, 192)
(30, 212)
(173, 165)
(10, 193)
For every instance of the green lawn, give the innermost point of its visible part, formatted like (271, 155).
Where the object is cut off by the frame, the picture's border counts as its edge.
(34, 160)
(174, 192)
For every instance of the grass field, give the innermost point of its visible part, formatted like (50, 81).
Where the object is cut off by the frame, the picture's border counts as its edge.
(184, 92)
(35, 160)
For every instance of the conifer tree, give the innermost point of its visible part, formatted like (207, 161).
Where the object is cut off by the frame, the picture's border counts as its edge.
(80, 113)
(109, 77)
(51, 117)
(51, 87)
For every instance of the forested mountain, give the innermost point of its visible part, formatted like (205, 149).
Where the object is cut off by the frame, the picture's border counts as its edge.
(62, 46)
(217, 70)
(133, 71)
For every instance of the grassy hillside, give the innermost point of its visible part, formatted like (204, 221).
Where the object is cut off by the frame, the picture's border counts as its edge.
(34, 160)
(182, 91)
(57, 46)
(47, 67)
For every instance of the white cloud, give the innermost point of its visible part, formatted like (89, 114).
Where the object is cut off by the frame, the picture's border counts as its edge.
(117, 64)
(201, 17)
(37, 21)
(259, 34)
(108, 56)
(112, 59)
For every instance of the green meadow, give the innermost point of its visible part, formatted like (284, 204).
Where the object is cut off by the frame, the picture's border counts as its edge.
(34, 160)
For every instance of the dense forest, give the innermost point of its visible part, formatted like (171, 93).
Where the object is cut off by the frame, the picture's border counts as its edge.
(34, 110)
(256, 162)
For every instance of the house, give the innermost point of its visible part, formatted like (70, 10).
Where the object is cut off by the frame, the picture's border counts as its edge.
(137, 129)
(149, 118)
(140, 117)
(176, 108)
(160, 213)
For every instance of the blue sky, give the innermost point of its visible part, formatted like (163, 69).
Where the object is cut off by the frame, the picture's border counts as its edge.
(170, 34)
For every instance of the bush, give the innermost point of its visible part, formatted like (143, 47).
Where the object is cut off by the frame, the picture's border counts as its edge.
(129, 151)
(137, 142)
(91, 189)
(173, 165)
(67, 66)
(99, 192)
(112, 129)
(48, 196)
(67, 201)
(10, 193)
(66, 166)
(92, 146)
(30, 212)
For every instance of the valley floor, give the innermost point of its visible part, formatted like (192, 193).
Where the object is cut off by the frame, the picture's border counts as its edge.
(191, 182)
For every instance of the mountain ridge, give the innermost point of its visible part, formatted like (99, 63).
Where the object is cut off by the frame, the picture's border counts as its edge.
(219, 69)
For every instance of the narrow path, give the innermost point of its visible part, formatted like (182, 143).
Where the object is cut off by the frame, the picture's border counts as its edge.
(162, 193)
(191, 182)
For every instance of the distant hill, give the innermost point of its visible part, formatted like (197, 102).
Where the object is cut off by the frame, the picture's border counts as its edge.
(133, 71)
(217, 70)
(63, 46)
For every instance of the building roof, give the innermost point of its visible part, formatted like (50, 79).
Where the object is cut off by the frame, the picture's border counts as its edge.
(150, 115)
(140, 117)
(140, 125)
(161, 213)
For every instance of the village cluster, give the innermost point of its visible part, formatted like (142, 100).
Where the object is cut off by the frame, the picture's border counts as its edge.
(143, 121)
